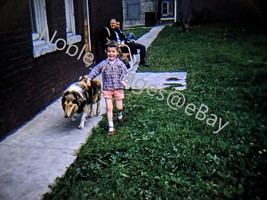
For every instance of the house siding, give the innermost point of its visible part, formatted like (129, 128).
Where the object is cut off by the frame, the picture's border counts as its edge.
(27, 84)
(145, 7)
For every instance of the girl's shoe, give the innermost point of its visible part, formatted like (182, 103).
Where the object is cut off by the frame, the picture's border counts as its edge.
(121, 121)
(111, 132)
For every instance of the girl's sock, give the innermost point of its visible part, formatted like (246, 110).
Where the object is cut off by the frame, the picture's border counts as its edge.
(119, 114)
(111, 125)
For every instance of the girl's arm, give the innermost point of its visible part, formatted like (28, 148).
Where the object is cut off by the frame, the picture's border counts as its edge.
(124, 84)
(94, 73)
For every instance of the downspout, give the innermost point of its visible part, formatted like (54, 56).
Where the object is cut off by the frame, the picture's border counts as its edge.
(175, 11)
(87, 38)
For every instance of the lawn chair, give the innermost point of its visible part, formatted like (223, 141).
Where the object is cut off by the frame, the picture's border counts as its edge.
(132, 58)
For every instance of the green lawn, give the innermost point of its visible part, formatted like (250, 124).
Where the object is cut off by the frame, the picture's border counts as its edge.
(138, 31)
(168, 152)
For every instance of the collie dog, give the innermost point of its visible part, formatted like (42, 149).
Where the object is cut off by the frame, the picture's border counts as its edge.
(79, 98)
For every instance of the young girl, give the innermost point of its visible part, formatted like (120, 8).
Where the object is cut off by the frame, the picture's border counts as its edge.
(113, 74)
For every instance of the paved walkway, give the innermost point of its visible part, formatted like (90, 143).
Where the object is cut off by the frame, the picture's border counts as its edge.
(40, 151)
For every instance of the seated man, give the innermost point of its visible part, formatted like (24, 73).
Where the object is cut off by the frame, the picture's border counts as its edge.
(131, 42)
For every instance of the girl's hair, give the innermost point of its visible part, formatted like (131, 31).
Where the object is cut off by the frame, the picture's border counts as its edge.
(114, 44)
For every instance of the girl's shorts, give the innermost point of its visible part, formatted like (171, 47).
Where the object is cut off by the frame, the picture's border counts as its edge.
(113, 94)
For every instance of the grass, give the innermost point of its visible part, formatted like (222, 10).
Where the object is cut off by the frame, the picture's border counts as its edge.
(163, 153)
(138, 31)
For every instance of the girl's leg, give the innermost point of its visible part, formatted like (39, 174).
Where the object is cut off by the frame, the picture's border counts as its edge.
(109, 109)
(119, 104)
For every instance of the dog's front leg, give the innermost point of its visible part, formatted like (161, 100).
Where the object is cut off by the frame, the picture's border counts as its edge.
(73, 117)
(98, 108)
(83, 120)
(85, 112)
(91, 110)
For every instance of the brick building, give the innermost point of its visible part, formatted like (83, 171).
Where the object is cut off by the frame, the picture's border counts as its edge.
(45, 46)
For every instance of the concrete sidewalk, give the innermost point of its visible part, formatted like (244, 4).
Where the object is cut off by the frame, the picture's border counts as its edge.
(40, 151)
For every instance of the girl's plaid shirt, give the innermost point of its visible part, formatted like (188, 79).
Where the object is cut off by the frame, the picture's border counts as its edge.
(112, 74)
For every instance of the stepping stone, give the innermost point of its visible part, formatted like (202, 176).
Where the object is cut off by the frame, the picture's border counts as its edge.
(157, 80)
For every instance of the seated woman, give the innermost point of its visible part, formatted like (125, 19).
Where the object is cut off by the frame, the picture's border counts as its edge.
(111, 32)
(131, 41)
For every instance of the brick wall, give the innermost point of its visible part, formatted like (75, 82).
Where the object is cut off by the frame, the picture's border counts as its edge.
(27, 84)
(100, 13)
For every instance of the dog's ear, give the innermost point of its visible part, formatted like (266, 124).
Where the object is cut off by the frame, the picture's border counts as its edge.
(66, 93)
(63, 99)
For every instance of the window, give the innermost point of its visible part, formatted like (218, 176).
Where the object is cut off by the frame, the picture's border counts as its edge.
(165, 8)
(133, 10)
(70, 23)
(40, 33)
